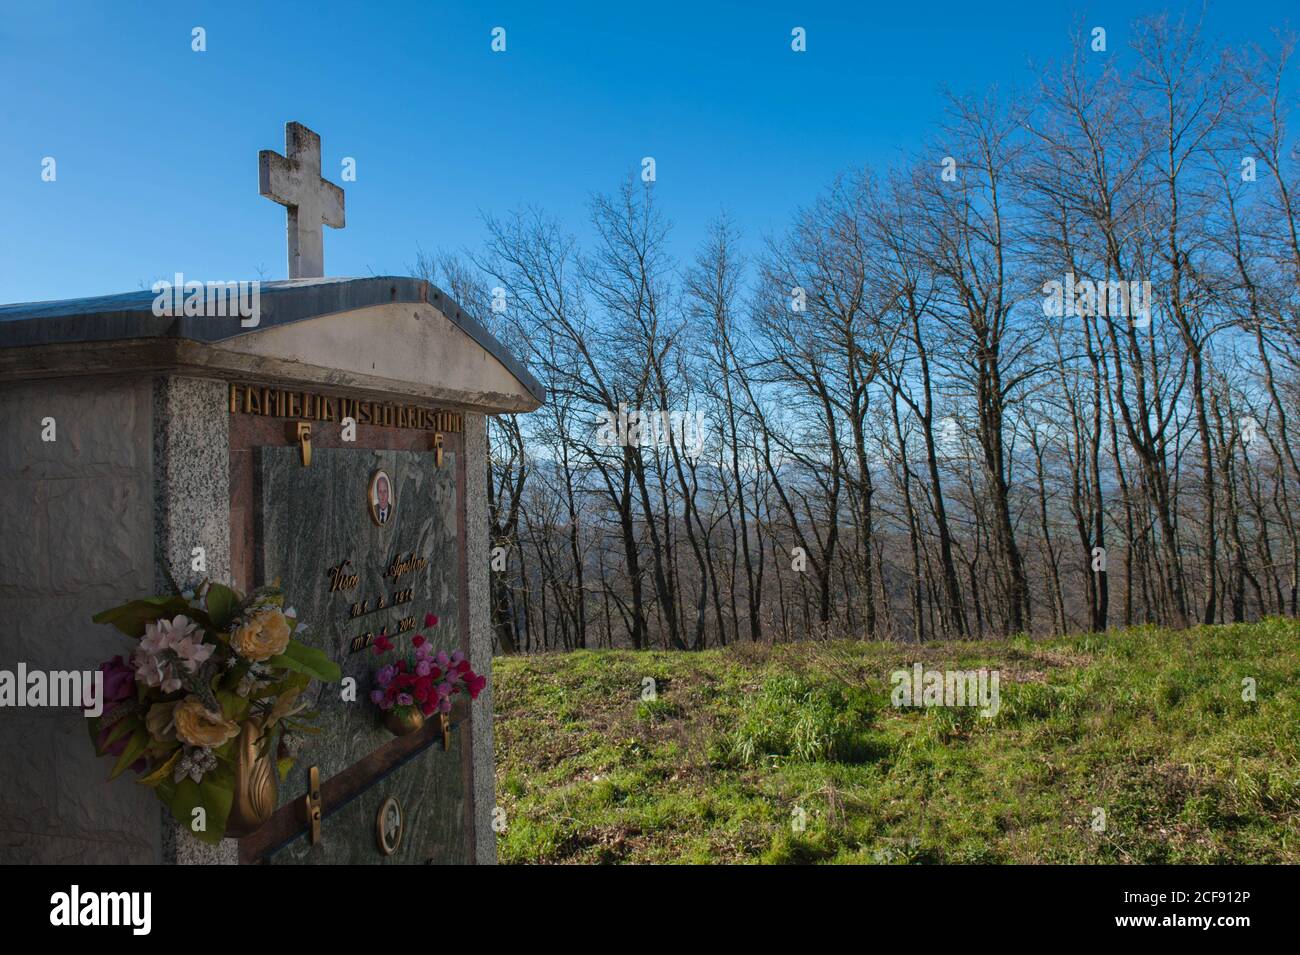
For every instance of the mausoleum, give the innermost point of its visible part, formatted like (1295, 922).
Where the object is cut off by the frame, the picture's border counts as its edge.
(336, 444)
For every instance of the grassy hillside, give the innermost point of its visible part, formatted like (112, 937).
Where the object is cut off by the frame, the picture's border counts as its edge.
(742, 743)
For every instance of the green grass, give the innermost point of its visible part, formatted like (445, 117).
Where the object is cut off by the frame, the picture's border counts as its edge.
(795, 754)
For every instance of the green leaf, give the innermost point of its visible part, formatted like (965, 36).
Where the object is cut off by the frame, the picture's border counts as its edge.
(233, 677)
(226, 751)
(222, 603)
(134, 747)
(131, 617)
(284, 765)
(294, 681)
(163, 772)
(309, 660)
(233, 706)
(300, 727)
(270, 595)
(120, 729)
(214, 795)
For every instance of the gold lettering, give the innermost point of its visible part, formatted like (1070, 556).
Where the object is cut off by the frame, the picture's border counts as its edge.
(340, 579)
(399, 567)
(284, 403)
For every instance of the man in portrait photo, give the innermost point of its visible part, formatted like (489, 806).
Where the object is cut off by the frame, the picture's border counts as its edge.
(383, 508)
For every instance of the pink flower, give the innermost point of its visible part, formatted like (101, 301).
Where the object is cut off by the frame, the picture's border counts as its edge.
(405, 699)
(119, 683)
(476, 684)
(423, 668)
(119, 686)
(377, 697)
(456, 657)
(183, 638)
(442, 659)
(386, 674)
(444, 705)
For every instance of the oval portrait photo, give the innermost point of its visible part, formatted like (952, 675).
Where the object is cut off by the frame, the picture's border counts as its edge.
(381, 498)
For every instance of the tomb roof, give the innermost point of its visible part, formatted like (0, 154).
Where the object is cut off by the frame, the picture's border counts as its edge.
(382, 334)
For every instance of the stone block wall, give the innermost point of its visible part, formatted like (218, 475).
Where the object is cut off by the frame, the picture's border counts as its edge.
(75, 538)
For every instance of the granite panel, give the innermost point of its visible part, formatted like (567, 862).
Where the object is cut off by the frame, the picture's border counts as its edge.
(477, 535)
(429, 791)
(191, 508)
(310, 520)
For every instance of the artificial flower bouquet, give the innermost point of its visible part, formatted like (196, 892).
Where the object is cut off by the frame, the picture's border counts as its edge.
(422, 682)
(214, 681)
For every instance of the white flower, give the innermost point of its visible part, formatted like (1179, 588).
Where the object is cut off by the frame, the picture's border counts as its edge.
(194, 763)
(152, 671)
(182, 637)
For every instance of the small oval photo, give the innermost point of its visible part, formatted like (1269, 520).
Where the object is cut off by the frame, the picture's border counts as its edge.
(382, 500)
(388, 826)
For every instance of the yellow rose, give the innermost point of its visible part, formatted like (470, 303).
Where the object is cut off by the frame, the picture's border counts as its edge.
(264, 636)
(161, 722)
(198, 726)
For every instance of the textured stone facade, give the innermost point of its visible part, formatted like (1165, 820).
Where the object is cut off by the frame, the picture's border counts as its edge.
(480, 632)
(139, 474)
(74, 539)
(191, 508)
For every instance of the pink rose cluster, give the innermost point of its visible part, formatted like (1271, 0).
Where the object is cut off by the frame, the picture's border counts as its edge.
(427, 679)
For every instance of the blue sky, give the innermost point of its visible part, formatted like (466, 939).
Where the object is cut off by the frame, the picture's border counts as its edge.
(156, 145)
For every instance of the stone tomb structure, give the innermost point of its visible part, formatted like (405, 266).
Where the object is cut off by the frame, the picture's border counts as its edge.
(173, 434)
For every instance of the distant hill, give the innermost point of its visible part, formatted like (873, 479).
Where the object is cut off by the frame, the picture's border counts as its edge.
(794, 753)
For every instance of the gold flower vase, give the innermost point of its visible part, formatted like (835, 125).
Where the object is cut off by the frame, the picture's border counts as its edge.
(256, 782)
(404, 720)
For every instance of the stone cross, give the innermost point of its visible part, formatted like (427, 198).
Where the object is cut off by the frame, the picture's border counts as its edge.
(296, 183)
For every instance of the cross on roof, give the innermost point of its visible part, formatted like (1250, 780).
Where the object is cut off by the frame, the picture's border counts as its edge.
(296, 183)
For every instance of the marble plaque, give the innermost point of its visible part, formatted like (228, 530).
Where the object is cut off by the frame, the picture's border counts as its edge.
(353, 569)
